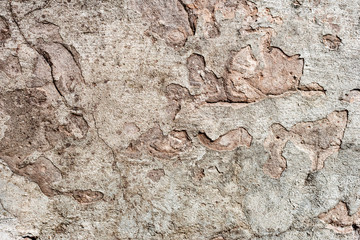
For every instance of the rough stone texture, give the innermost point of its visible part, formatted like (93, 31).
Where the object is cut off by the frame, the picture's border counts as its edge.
(320, 139)
(227, 142)
(179, 119)
(339, 220)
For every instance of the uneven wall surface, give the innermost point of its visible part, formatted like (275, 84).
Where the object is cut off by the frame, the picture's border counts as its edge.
(179, 119)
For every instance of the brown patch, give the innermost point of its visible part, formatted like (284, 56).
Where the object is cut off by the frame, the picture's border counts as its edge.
(87, 196)
(176, 92)
(227, 142)
(281, 73)
(319, 139)
(311, 87)
(248, 79)
(208, 82)
(11, 66)
(204, 11)
(156, 174)
(166, 146)
(339, 220)
(243, 69)
(168, 19)
(176, 95)
(214, 88)
(65, 72)
(29, 112)
(332, 42)
(352, 96)
(32, 126)
(275, 144)
(153, 142)
(63, 68)
(205, 81)
(5, 32)
(43, 172)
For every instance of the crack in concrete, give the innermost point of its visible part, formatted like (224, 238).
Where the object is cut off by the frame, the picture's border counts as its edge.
(45, 54)
(103, 140)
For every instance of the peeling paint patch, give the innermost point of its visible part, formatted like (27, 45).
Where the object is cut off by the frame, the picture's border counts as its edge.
(339, 220)
(319, 139)
(32, 126)
(43, 172)
(249, 79)
(227, 142)
(352, 96)
(154, 143)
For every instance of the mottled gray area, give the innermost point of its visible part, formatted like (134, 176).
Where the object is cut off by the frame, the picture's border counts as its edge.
(179, 119)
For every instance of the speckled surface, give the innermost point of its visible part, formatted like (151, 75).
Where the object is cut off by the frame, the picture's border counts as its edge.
(179, 119)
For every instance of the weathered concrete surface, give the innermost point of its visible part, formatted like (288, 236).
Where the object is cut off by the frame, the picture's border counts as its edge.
(179, 119)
